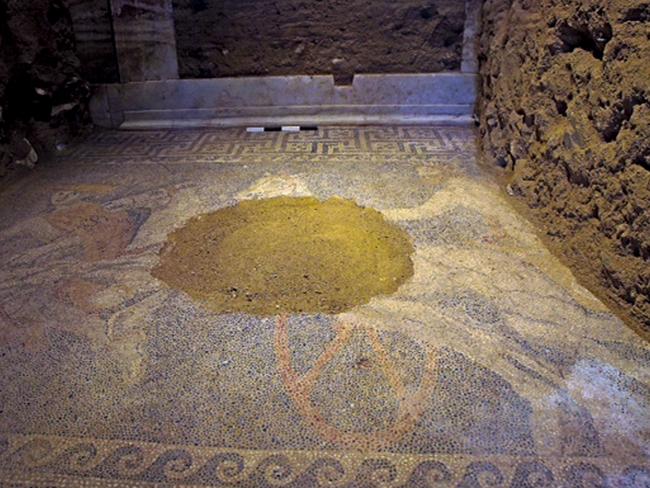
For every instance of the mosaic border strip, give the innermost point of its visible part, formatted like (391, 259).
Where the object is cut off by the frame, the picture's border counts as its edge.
(355, 144)
(37, 460)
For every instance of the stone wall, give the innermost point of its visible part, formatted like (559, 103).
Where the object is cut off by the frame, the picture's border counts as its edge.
(218, 38)
(43, 99)
(565, 110)
(95, 47)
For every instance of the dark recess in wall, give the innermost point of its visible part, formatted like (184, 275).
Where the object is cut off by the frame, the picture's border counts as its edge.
(218, 38)
(43, 97)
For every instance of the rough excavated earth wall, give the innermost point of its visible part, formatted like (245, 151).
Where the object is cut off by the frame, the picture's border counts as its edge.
(218, 38)
(565, 109)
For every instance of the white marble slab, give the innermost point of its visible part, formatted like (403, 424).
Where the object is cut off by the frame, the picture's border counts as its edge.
(473, 13)
(287, 100)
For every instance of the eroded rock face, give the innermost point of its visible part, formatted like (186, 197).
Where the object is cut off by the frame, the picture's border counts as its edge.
(340, 37)
(566, 110)
(43, 100)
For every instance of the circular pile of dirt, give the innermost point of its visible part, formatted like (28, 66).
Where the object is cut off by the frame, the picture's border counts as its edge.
(281, 255)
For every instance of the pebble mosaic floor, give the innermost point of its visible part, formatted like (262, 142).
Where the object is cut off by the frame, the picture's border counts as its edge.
(489, 367)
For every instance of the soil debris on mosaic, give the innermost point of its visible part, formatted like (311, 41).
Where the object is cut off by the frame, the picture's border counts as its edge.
(282, 255)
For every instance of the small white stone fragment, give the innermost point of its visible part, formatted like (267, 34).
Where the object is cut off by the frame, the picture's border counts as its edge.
(62, 108)
(31, 158)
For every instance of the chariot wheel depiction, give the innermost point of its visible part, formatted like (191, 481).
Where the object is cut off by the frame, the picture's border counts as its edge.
(412, 401)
